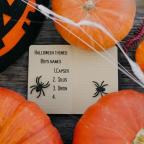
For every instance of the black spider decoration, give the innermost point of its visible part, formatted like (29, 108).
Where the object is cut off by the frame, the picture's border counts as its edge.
(39, 87)
(100, 88)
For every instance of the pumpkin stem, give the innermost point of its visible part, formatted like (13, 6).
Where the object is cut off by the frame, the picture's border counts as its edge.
(139, 139)
(89, 4)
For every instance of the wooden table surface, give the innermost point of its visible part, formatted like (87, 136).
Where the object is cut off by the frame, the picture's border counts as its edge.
(15, 77)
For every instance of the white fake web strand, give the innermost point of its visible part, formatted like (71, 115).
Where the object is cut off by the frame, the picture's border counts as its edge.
(90, 37)
(48, 12)
(106, 52)
(110, 61)
(57, 18)
(135, 68)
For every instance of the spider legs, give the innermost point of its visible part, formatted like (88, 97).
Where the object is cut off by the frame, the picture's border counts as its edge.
(32, 89)
(96, 84)
(100, 88)
(102, 84)
(103, 93)
(39, 87)
(43, 92)
(33, 86)
(38, 80)
(46, 85)
(96, 94)
(39, 94)
(105, 85)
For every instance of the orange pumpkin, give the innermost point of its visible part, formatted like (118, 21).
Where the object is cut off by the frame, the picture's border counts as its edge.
(116, 15)
(140, 55)
(23, 122)
(117, 118)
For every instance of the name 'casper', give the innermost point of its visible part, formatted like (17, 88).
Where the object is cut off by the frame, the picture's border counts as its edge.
(58, 70)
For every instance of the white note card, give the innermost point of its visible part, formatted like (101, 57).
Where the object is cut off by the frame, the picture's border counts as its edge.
(64, 79)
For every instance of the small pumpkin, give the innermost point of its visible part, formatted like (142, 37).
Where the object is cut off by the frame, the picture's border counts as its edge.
(117, 118)
(140, 55)
(23, 122)
(115, 15)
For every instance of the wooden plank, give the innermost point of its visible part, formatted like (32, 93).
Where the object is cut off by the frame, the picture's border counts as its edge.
(140, 6)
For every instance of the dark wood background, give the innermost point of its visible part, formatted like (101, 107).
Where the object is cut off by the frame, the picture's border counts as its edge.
(15, 77)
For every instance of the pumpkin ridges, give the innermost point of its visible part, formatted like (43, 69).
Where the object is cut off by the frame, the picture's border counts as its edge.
(9, 101)
(117, 31)
(124, 103)
(126, 22)
(97, 137)
(45, 136)
(65, 6)
(120, 113)
(24, 120)
(27, 120)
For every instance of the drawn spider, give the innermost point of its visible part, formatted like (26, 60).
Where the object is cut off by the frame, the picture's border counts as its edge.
(100, 89)
(39, 87)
